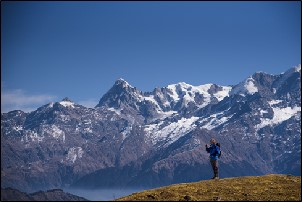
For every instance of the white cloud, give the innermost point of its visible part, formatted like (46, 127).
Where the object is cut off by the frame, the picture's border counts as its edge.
(91, 103)
(20, 100)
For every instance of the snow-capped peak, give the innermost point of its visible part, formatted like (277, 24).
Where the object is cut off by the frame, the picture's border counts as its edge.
(66, 102)
(183, 84)
(292, 70)
(288, 74)
(246, 87)
(67, 99)
(122, 82)
(50, 104)
(298, 68)
(188, 92)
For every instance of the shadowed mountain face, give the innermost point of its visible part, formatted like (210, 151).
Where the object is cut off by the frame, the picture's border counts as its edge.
(134, 138)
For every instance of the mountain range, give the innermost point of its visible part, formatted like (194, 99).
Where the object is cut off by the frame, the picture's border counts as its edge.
(151, 139)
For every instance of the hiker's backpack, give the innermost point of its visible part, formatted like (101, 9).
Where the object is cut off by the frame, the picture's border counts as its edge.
(219, 155)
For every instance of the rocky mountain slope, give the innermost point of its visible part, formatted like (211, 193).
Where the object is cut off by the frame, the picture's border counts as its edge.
(135, 138)
(251, 188)
(9, 194)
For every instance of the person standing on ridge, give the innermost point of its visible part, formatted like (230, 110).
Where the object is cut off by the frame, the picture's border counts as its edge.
(214, 151)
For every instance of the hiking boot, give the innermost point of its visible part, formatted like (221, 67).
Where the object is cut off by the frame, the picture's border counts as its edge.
(215, 178)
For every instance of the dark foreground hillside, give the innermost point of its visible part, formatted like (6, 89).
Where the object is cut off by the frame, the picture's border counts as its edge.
(9, 194)
(274, 187)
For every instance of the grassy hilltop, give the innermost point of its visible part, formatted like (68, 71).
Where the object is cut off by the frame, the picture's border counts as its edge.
(273, 187)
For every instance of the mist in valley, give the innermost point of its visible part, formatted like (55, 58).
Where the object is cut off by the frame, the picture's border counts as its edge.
(103, 194)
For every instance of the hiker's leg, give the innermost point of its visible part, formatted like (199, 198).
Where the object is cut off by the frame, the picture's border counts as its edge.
(215, 168)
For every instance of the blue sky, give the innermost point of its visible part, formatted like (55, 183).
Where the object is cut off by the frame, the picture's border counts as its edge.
(51, 50)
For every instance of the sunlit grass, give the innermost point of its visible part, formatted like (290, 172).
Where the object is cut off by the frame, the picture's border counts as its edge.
(272, 187)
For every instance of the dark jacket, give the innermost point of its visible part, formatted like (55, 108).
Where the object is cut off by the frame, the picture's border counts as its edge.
(214, 151)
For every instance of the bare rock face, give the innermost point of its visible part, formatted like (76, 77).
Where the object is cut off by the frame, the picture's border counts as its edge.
(134, 138)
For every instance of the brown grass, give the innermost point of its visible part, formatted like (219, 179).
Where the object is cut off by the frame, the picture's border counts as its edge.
(273, 187)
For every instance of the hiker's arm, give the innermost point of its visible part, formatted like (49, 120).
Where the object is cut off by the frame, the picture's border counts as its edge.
(217, 150)
(207, 148)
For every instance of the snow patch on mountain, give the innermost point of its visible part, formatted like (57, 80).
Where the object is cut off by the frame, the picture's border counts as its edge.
(167, 114)
(126, 131)
(50, 105)
(171, 132)
(18, 128)
(274, 102)
(88, 130)
(280, 115)
(261, 111)
(151, 99)
(67, 104)
(32, 136)
(220, 95)
(54, 131)
(64, 118)
(117, 111)
(214, 120)
(74, 153)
